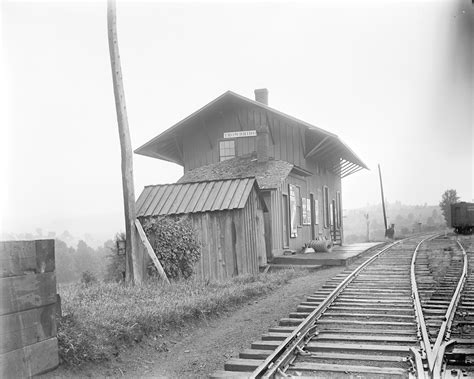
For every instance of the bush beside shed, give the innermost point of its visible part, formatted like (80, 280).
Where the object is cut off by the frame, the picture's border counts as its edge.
(228, 216)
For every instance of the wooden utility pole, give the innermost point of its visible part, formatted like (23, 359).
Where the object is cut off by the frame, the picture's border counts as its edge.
(383, 201)
(367, 221)
(134, 267)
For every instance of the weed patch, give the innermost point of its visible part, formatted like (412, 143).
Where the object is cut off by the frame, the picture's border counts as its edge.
(100, 318)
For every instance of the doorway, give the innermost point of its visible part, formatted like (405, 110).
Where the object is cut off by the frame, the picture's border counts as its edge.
(313, 217)
(286, 226)
(333, 220)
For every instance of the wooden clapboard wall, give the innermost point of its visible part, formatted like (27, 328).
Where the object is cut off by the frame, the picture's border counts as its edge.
(28, 343)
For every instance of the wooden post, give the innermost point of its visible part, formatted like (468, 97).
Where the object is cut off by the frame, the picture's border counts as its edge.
(151, 252)
(134, 272)
(383, 202)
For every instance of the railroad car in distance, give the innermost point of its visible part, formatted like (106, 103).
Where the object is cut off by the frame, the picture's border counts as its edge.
(462, 217)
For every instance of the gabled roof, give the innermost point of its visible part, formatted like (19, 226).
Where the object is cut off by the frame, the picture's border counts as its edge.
(180, 198)
(268, 174)
(165, 145)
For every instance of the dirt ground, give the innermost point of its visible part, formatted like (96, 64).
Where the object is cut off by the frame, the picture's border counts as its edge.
(205, 346)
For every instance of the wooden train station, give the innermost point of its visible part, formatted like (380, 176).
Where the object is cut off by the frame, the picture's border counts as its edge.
(297, 170)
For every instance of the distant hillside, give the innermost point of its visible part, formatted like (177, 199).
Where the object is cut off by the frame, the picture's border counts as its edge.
(92, 239)
(407, 219)
(73, 256)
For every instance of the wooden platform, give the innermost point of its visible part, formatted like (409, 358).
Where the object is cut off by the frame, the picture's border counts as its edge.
(340, 256)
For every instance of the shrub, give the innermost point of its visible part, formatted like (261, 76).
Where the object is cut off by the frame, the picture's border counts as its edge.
(175, 243)
(116, 267)
(88, 278)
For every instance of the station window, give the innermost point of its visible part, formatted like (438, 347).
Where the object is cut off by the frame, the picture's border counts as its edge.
(226, 150)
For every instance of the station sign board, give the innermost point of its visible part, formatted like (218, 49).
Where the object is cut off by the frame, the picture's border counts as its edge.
(240, 134)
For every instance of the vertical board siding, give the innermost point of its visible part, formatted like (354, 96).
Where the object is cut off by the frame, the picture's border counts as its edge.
(297, 151)
(198, 139)
(285, 145)
(308, 185)
(240, 244)
(277, 222)
(272, 143)
(289, 144)
(278, 141)
(315, 185)
(304, 234)
(226, 252)
(227, 246)
(27, 308)
(247, 241)
(252, 258)
(245, 145)
(260, 234)
(221, 246)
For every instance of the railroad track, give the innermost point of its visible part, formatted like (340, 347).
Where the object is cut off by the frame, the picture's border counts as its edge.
(459, 356)
(389, 317)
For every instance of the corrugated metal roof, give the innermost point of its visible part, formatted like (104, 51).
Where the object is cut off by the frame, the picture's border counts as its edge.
(179, 198)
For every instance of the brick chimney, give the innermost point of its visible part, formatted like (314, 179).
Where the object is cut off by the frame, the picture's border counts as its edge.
(261, 95)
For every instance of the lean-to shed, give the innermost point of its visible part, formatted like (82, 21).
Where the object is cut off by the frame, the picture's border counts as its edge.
(228, 216)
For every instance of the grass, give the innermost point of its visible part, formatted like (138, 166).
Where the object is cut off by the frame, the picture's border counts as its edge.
(101, 318)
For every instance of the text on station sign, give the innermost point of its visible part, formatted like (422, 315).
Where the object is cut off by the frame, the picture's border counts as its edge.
(243, 133)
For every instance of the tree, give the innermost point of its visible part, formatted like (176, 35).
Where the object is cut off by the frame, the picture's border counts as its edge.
(449, 197)
(66, 269)
(116, 263)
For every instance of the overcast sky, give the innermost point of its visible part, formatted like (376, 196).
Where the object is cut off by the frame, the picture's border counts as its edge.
(393, 79)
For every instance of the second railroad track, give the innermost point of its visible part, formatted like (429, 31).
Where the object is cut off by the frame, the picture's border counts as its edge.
(391, 316)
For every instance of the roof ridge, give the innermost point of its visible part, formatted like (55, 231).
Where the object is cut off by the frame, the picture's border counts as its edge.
(172, 155)
(240, 97)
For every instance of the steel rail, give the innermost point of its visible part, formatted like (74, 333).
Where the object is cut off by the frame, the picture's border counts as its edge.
(283, 353)
(418, 363)
(445, 330)
(426, 345)
(439, 362)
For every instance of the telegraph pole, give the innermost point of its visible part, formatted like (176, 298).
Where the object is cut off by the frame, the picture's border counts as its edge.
(134, 267)
(367, 221)
(383, 201)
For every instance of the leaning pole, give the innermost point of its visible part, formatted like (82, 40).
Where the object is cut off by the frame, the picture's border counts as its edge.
(134, 255)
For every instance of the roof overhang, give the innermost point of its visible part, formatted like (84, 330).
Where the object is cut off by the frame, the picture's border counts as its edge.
(301, 171)
(318, 142)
